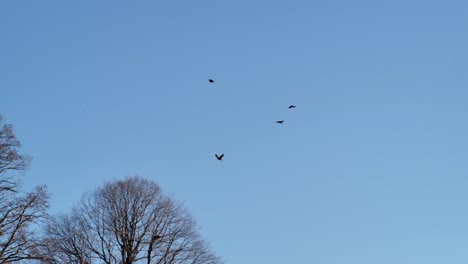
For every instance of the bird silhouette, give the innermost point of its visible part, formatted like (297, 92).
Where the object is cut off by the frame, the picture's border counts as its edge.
(280, 121)
(220, 157)
(292, 106)
(211, 80)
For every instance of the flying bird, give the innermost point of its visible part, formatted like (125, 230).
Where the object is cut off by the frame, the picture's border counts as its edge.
(292, 106)
(211, 80)
(220, 157)
(280, 121)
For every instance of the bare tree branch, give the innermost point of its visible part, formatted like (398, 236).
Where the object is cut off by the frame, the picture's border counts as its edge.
(19, 212)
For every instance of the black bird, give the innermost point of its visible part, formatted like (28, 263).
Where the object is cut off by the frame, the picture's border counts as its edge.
(280, 122)
(211, 80)
(156, 237)
(220, 157)
(292, 106)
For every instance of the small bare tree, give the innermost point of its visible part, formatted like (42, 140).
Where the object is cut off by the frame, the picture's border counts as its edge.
(124, 222)
(18, 212)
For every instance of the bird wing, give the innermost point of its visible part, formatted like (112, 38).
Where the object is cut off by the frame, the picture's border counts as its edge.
(222, 155)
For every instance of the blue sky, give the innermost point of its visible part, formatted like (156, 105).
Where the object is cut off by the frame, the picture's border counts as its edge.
(369, 168)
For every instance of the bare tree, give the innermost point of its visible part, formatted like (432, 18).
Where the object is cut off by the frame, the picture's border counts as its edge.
(124, 222)
(19, 212)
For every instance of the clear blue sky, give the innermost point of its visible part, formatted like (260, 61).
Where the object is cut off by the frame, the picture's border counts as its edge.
(371, 167)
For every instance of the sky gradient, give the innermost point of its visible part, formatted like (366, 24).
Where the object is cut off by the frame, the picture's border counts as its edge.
(371, 167)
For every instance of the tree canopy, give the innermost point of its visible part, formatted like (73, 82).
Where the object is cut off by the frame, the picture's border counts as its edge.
(126, 221)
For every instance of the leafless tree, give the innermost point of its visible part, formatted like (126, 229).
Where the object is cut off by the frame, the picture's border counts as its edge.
(124, 222)
(19, 212)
